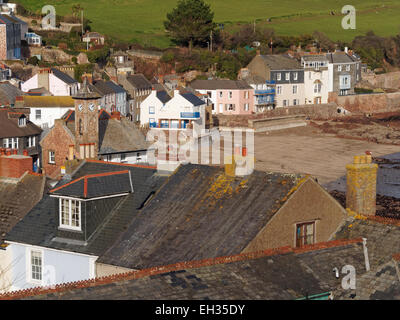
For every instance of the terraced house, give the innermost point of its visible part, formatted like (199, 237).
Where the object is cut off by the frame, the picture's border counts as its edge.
(278, 80)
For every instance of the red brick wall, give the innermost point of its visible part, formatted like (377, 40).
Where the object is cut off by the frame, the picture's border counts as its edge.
(15, 166)
(57, 140)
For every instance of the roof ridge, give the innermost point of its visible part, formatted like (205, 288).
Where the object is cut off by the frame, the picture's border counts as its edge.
(137, 274)
(122, 164)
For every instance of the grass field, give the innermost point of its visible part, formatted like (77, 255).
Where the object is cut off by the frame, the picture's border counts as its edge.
(141, 20)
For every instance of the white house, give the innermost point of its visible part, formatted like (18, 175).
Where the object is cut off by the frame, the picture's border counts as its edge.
(316, 78)
(44, 110)
(183, 111)
(53, 80)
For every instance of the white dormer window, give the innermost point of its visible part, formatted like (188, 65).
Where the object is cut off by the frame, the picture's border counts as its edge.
(295, 76)
(278, 76)
(339, 68)
(347, 67)
(70, 214)
(22, 122)
(287, 76)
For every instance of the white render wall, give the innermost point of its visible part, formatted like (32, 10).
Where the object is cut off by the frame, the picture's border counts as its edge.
(58, 266)
(48, 116)
(323, 76)
(57, 87)
(287, 94)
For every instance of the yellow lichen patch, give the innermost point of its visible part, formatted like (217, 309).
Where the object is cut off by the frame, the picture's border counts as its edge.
(242, 185)
(350, 226)
(222, 186)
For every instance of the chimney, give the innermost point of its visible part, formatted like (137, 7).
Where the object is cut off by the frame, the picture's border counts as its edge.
(346, 49)
(361, 185)
(88, 76)
(14, 166)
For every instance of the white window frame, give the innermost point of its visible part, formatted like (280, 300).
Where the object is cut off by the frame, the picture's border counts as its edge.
(339, 68)
(52, 157)
(230, 94)
(347, 67)
(295, 75)
(152, 110)
(287, 76)
(31, 142)
(278, 77)
(294, 89)
(22, 122)
(123, 157)
(278, 89)
(69, 226)
(29, 277)
(38, 114)
(246, 107)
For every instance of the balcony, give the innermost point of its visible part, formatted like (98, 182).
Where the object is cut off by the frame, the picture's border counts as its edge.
(263, 100)
(265, 91)
(190, 115)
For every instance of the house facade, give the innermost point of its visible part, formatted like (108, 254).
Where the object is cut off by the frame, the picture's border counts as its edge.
(113, 96)
(10, 38)
(33, 39)
(53, 80)
(227, 96)
(282, 78)
(138, 89)
(19, 136)
(45, 110)
(182, 111)
(344, 72)
(316, 78)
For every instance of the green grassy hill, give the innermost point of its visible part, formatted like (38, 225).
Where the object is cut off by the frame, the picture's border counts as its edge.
(141, 20)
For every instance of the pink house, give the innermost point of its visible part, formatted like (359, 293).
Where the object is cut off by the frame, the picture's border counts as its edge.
(227, 96)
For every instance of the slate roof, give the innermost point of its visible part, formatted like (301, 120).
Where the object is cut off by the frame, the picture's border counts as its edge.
(268, 276)
(139, 81)
(17, 198)
(107, 87)
(115, 136)
(8, 93)
(163, 96)
(315, 57)
(38, 227)
(9, 126)
(97, 185)
(193, 99)
(340, 57)
(63, 76)
(200, 202)
(219, 84)
(280, 62)
(383, 238)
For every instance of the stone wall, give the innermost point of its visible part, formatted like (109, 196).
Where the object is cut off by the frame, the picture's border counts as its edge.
(390, 80)
(317, 111)
(374, 102)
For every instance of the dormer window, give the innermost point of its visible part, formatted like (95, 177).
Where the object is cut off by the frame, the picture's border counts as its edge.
(22, 121)
(70, 214)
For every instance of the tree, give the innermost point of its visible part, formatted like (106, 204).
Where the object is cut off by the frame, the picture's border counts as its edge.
(190, 23)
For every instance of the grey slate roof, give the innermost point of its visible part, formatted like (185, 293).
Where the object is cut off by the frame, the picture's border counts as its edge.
(8, 93)
(63, 76)
(200, 202)
(193, 99)
(383, 240)
(219, 84)
(163, 96)
(97, 186)
(108, 87)
(38, 227)
(281, 62)
(340, 57)
(139, 81)
(9, 125)
(16, 199)
(286, 276)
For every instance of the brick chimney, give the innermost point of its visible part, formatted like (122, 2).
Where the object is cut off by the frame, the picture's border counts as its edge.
(361, 185)
(14, 166)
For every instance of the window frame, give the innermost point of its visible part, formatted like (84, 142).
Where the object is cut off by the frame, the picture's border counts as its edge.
(152, 110)
(38, 112)
(29, 265)
(52, 161)
(304, 236)
(287, 76)
(70, 214)
(278, 76)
